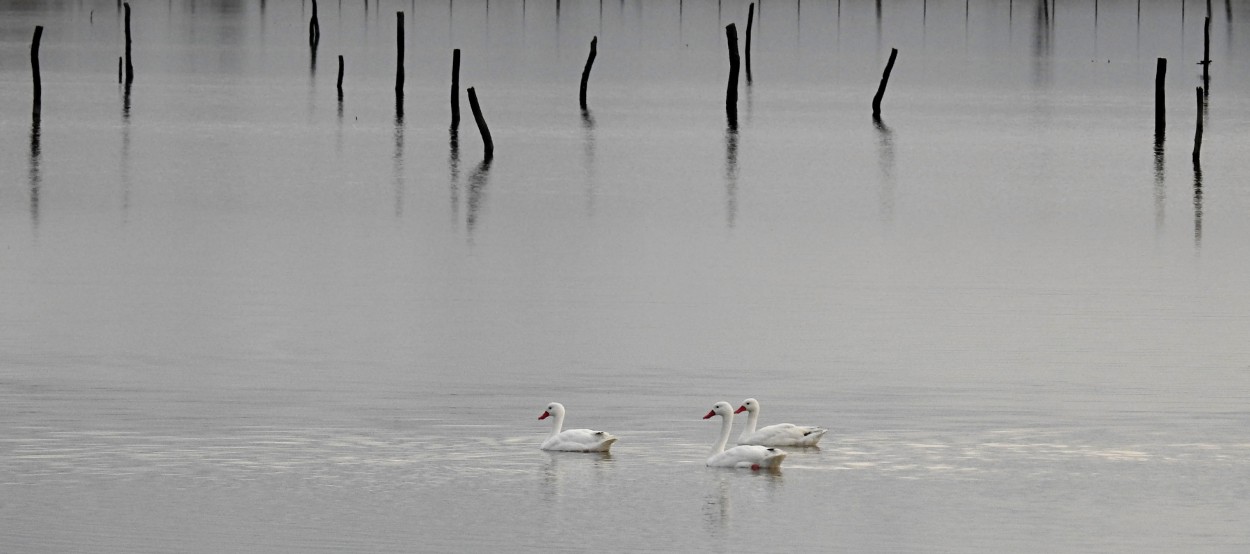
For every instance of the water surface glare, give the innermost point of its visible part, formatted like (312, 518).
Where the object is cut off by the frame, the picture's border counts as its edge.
(240, 312)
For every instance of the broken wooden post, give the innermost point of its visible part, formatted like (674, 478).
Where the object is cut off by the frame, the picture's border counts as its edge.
(481, 124)
(885, 79)
(750, 21)
(130, 68)
(1206, 54)
(455, 89)
(399, 62)
(731, 89)
(590, 61)
(37, 107)
(1198, 129)
(314, 28)
(339, 83)
(1161, 71)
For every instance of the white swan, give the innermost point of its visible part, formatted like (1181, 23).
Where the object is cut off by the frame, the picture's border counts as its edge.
(781, 434)
(746, 456)
(573, 440)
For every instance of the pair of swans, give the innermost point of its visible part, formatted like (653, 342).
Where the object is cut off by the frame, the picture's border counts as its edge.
(756, 448)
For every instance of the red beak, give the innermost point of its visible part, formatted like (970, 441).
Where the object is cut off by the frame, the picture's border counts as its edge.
(740, 409)
(544, 416)
(710, 413)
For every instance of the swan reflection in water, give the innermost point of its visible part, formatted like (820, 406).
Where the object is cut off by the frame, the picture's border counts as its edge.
(554, 469)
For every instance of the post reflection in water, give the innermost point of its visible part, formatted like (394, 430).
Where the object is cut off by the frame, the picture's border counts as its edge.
(398, 157)
(731, 173)
(885, 160)
(588, 159)
(453, 171)
(477, 194)
(1160, 184)
(125, 155)
(1197, 206)
(36, 180)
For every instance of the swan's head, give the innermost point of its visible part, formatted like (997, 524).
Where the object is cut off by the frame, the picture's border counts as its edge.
(554, 409)
(723, 409)
(749, 405)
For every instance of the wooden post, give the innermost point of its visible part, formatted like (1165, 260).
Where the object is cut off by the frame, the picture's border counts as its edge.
(1161, 71)
(590, 61)
(119, 70)
(37, 107)
(399, 62)
(339, 84)
(314, 28)
(731, 90)
(885, 79)
(455, 89)
(1206, 54)
(750, 22)
(1198, 129)
(130, 68)
(481, 124)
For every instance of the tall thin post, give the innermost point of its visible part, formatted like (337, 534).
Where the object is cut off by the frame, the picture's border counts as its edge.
(37, 107)
(399, 60)
(731, 89)
(750, 23)
(455, 89)
(1198, 129)
(481, 124)
(130, 67)
(590, 61)
(339, 83)
(1206, 53)
(885, 79)
(1161, 71)
(314, 28)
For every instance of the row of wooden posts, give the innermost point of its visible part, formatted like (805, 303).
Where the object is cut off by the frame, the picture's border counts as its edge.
(731, 94)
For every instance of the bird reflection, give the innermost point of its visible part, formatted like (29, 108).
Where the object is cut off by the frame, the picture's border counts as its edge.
(885, 152)
(477, 192)
(453, 170)
(588, 151)
(716, 506)
(731, 173)
(36, 180)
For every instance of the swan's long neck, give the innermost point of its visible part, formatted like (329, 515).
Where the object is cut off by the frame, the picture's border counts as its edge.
(557, 423)
(753, 416)
(726, 422)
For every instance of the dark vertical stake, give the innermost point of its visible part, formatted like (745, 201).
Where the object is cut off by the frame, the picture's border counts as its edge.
(750, 23)
(339, 83)
(590, 61)
(1161, 71)
(1206, 53)
(1198, 128)
(314, 28)
(731, 89)
(481, 124)
(37, 108)
(130, 68)
(119, 70)
(885, 79)
(399, 63)
(455, 89)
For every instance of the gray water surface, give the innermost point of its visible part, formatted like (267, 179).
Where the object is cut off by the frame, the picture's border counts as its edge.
(237, 314)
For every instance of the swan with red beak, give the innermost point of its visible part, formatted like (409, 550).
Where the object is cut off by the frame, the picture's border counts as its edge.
(752, 457)
(573, 440)
(781, 434)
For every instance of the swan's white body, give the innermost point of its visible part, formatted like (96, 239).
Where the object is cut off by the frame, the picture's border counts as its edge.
(752, 457)
(781, 434)
(573, 440)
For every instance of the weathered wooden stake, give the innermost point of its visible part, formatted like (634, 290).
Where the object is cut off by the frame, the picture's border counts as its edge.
(1198, 129)
(1206, 54)
(590, 61)
(731, 90)
(750, 22)
(119, 70)
(455, 89)
(399, 62)
(885, 79)
(314, 27)
(339, 84)
(130, 67)
(37, 107)
(481, 124)
(1161, 71)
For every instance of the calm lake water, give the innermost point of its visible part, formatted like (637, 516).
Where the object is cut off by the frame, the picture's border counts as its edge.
(240, 315)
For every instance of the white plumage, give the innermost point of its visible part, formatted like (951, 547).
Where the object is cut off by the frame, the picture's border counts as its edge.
(573, 440)
(747, 456)
(781, 434)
